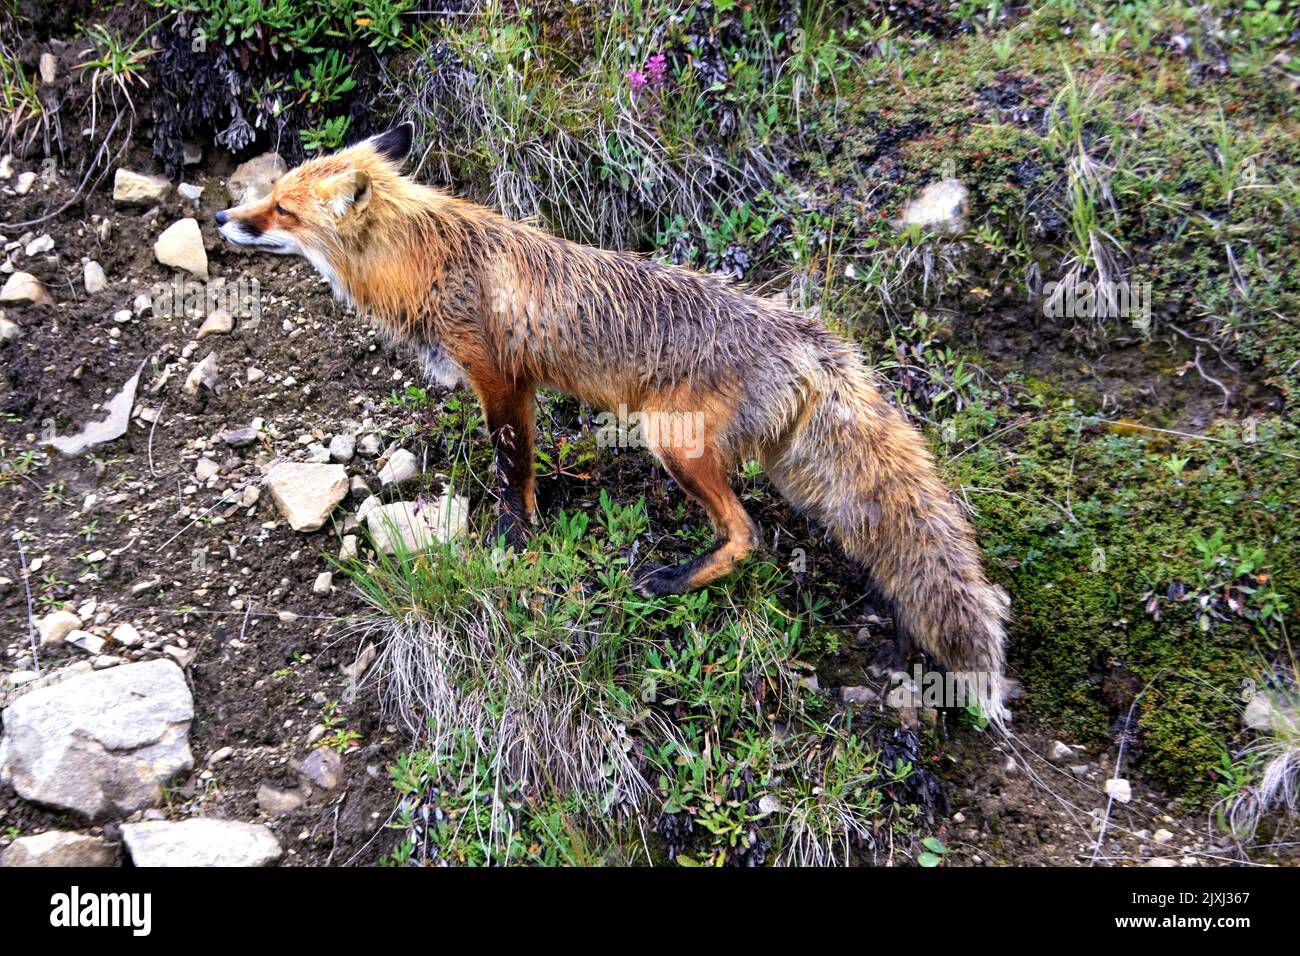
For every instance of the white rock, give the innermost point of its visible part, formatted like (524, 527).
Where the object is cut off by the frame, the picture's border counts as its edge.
(254, 375)
(220, 322)
(254, 179)
(190, 192)
(181, 246)
(1059, 752)
(200, 841)
(138, 189)
(25, 183)
(348, 550)
(126, 635)
(101, 743)
(1120, 789)
(1162, 836)
(940, 208)
(369, 445)
(401, 467)
(48, 67)
(205, 469)
(416, 526)
(86, 641)
(203, 375)
(23, 288)
(61, 848)
(8, 329)
(56, 626)
(307, 493)
(93, 276)
(324, 582)
(41, 245)
(342, 448)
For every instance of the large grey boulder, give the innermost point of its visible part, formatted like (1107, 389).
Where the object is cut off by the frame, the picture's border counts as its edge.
(100, 744)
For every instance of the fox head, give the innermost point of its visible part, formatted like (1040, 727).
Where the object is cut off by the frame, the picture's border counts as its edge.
(328, 209)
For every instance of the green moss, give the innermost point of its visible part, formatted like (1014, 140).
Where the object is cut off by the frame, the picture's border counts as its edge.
(1121, 590)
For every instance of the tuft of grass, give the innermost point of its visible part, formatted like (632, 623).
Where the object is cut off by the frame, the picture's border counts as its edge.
(542, 692)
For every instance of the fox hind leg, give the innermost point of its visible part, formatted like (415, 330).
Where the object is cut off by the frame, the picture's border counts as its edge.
(703, 478)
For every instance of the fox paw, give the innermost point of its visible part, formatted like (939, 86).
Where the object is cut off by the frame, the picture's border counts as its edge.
(660, 580)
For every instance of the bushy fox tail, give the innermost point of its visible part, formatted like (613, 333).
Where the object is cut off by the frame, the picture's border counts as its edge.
(863, 472)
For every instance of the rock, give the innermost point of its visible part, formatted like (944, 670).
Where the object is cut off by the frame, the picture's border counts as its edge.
(369, 445)
(342, 448)
(61, 848)
(253, 180)
(138, 189)
(181, 246)
(191, 153)
(86, 641)
(359, 489)
(127, 636)
(348, 552)
(203, 375)
(206, 469)
(25, 183)
(318, 453)
(1162, 836)
(102, 743)
(276, 803)
(220, 755)
(112, 426)
(8, 329)
(254, 375)
(92, 274)
(251, 496)
(323, 768)
(39, 246)
(239, 437)
(200, 841)
(56, 626)
(48, 67)
(362, 664)
(23, 288)
(1161, 861)
(1059, 752)
(190, 192)
(220, 322)
(1119, 789)
(857, 696)
(401, 466)
(6, 165)
(307, 493)
(941, 208)
(416, 525)
(324, 583)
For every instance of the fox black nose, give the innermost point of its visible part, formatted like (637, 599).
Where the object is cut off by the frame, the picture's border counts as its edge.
(221, 218)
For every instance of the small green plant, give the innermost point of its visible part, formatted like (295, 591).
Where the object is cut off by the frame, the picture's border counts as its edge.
(933, 853)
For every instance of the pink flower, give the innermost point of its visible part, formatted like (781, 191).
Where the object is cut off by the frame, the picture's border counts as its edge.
(655, 68)
(636, 81)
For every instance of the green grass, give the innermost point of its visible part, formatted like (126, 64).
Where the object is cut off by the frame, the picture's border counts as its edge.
(561, 718)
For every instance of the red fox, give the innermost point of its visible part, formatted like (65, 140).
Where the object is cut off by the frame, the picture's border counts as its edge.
(507, 308)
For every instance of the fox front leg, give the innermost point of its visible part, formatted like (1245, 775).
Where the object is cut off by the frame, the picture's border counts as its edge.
(508, 411)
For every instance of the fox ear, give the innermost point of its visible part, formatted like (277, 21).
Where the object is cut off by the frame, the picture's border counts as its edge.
(348, 192)
(395, 144)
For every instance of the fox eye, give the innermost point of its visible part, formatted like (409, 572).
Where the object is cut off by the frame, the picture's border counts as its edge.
(281, 210)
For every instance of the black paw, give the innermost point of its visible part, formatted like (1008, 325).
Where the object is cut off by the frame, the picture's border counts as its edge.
(513, 531)
(661, 580)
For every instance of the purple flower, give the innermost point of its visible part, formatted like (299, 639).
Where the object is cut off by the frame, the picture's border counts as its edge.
(655, 68)
(636, 81)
